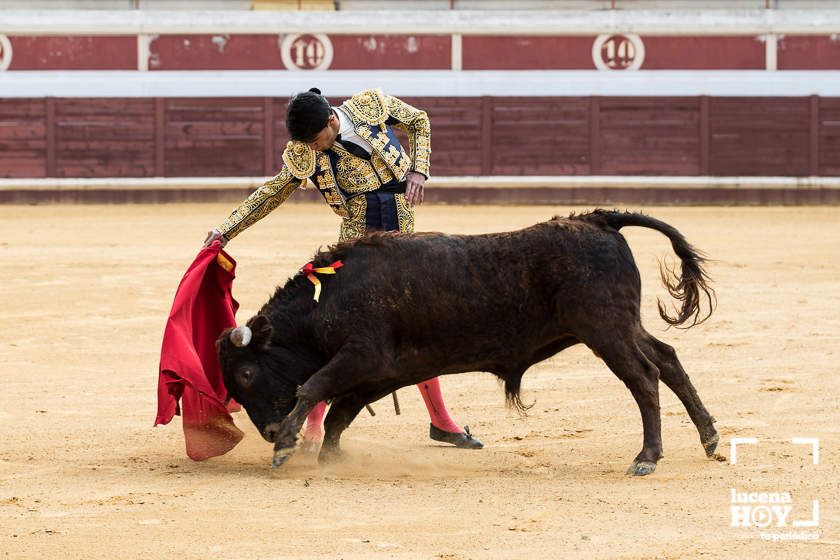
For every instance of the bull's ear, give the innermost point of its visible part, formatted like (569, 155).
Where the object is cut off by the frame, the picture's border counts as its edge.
(261, 329)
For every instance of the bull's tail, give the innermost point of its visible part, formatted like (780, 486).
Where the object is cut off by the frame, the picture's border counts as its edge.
(690, 286)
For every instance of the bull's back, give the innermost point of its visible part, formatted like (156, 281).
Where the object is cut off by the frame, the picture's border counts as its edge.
(488, 292)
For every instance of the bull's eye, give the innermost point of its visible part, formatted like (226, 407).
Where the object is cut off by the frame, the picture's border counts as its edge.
(245, 377)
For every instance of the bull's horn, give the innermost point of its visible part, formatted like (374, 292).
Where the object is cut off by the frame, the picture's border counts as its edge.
(241, 336)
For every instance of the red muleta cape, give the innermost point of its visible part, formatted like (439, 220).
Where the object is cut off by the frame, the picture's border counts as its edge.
(189, 367)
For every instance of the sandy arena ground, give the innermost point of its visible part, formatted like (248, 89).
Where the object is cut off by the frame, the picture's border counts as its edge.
(83, 474)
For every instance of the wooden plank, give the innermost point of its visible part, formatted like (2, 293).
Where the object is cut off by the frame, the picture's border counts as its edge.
(23, 141)
(268, 136)
(456, 133)
(759, 136)
(103, 107)
(114, 130)
(250, 129)
(215, 136)
(279, 132)
(540, 135)
(704, 134)
(470, 136)
(21, 108)
(215, 161)
(21, 130)
(50, 170)
(643, 136)
(104, 137)
(829, 136)
(814, 135)
(160, 136)
(486, 135)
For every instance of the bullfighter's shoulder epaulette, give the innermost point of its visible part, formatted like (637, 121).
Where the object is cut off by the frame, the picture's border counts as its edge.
(299, 159)
(368, 106)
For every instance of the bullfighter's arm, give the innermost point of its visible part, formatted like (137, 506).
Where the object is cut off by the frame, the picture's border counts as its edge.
(261, 202)
(416, 123)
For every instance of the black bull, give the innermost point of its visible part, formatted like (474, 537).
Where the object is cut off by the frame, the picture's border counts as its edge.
(405, 308)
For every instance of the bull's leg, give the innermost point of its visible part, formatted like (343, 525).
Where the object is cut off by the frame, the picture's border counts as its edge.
(336, 378)
(641, 376)
(345, 409)
(342, 412)
(285, 443)
(673, 375)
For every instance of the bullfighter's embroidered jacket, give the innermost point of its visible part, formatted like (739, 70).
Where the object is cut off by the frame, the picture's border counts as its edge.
(343, 178)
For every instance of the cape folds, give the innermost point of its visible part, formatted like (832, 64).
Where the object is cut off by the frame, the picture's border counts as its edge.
(189, 368)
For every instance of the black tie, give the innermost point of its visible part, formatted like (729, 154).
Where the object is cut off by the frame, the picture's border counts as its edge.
(353, 148)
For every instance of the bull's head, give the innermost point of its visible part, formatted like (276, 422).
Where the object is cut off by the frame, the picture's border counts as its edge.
(258, 374)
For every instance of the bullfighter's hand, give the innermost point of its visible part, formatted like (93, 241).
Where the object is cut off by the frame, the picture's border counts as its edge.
(213, 235)
(415, 184)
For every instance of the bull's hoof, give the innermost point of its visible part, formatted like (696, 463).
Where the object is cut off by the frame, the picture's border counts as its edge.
(710, 445)
(281, 456)
(641, 468)
(328, 455)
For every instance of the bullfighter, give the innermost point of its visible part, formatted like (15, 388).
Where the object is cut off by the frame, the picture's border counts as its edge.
(355, 160)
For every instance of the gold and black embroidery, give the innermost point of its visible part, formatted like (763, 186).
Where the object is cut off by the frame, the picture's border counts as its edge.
(261, 202)
(354, 174)
(325, 181)
(353, 227)
(416, 123)
(300, 159)
(369, 106)
(387, 148)
(369, 111)
(405, 214)
(381, 168)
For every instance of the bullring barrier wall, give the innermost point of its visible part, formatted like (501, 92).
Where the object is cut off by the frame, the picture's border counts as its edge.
(550, 95)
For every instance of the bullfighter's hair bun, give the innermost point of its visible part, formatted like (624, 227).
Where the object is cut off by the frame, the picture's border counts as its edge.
(315, 90)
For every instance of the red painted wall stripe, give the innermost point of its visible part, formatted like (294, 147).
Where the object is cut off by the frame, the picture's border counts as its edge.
(809, 53)
(215, 52)
(527, 53)
(363, 52)
(74, 53)
(703, 53)
(391, 52)
(263, 52)
(575, 53)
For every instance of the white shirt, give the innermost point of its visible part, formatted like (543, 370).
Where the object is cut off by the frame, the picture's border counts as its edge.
(348, 131)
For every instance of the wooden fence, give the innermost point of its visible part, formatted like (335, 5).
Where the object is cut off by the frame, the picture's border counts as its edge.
(217, 137)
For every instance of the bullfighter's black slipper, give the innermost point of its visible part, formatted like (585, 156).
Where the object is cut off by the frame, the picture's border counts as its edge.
(463, 440)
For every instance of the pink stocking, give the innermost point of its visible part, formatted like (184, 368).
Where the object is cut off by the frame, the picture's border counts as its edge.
(437, 410)
(315, 422)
